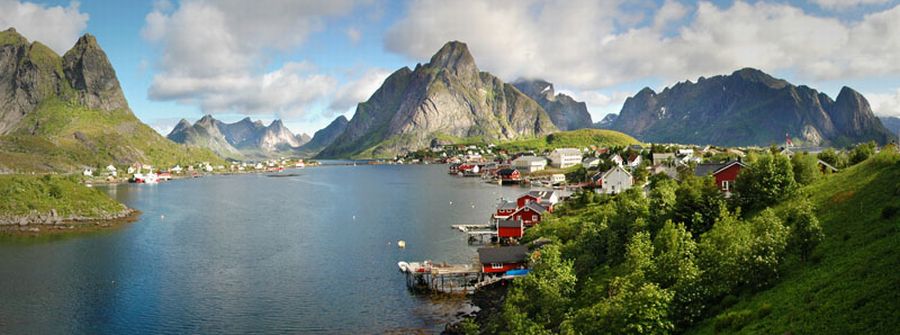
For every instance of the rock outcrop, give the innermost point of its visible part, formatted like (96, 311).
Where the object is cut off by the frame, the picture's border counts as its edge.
(565, 112)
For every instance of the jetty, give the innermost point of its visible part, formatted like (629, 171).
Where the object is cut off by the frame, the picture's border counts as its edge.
(477, 232)
(443, 278)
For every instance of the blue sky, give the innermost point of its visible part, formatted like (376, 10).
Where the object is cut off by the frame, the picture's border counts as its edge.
(309, 61)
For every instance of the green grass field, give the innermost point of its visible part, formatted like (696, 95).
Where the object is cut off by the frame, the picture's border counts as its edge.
(572, 139)
(26, 194)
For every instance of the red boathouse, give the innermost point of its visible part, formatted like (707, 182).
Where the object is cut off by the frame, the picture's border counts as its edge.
(510, 229)
(502, 259)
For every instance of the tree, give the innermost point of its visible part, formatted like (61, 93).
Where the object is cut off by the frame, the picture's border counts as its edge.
(806, 168)
(662, 200)
(697, 203)
(833, 158)
(767, 180)
(544, 295)
(806, 232)
(862, 152)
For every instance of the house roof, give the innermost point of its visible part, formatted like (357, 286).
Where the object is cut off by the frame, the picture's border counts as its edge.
(702, 170)
(506, 172)
(568, 151)
(507, 205)
(534, 207)
(531, 159)
(509, 223)
(823, 163)
(542, 195)
(512, 254)
(614, 168)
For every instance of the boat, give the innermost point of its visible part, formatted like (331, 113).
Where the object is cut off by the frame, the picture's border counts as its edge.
(150, 178)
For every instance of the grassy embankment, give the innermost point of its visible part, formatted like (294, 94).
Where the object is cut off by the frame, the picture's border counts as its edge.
(853, 284)
(581, 138)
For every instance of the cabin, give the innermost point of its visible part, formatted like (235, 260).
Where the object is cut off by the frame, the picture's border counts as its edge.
(505, 209)
(509, 175)
(614, 181)
(590, 162)
(634, 160)
(565, 157)
(530, 214)
(529, 164)
(557, 179)
(616, 159)
(87, 172)
(724, 173)
(510, 228)
(546, 198)
(502, 259)
(112, 171)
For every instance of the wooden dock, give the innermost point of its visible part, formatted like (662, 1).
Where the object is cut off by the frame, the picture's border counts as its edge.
(444, 278)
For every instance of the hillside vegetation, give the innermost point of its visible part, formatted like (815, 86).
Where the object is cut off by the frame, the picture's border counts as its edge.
(65, 136)
(796, 253)
(581, 138)
(23, 195)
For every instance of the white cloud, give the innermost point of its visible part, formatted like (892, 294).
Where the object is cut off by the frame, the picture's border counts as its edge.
(212, 54)
(885, 104)
(353, 34)
(586, 45)
(358, 90)
(55, 26)
(843, 4)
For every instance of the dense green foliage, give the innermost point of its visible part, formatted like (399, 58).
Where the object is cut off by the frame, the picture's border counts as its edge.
(581, 138)
(809, 260)
(26, 194)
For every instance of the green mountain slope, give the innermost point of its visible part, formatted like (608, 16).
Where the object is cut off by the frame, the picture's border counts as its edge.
(581, 138)
(62, 113)
(854, 288)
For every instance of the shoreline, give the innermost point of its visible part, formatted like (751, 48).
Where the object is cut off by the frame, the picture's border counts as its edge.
(48, 224)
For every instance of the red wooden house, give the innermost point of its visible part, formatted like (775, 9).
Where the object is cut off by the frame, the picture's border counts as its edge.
(545, 198)
(510, 228)
(530, 214)
(505, 210)
(502, 259)
(509, 176)
(724, 173)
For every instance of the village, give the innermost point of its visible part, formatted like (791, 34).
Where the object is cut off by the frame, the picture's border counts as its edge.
(150, 174)
(551, 178)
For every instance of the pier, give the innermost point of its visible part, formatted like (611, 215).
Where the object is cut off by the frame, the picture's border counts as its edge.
(444, 278)
(477, 232)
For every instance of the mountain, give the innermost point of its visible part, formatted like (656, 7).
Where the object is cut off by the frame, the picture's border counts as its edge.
(565, 112)
(449, 99)
(892, 123)
(204, 134)
(62, 113)
(326, 136)
(749, 107)
(245, 138)
(607, 121)
(303, 138)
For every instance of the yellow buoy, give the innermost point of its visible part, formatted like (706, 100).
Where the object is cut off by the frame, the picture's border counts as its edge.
(401, 244)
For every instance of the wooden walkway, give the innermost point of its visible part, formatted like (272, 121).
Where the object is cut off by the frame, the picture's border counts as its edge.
(444, 278)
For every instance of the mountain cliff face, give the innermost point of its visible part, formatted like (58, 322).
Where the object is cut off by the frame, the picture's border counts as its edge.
(565, 112)
(447, 98)
(607, 121)
(245, 138)
(326, 136)
(60, 113)
(748, 107)
(892, 123)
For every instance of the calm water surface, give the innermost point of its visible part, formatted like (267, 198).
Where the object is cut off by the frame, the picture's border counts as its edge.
(315, 253)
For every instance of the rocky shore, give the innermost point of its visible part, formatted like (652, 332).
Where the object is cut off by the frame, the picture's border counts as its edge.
(39, 223)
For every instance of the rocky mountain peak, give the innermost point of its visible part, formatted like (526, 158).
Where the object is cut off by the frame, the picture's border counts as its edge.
(455, 56)
(757, 76)
(181, 126)
(89, 71)
(536, 88)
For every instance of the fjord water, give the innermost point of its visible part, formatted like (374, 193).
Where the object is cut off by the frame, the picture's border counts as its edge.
(312, 253)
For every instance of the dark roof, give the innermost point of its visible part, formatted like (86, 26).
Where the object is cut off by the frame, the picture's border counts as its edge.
(543, 195)
(702, 170)
(535, 207)
(506, 172)
(507, 205)
(513, 254)
(509, 223)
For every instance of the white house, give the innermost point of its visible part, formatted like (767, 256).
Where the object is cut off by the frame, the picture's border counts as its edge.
(565, 157)
(616, 180)
(557, 178)
(616, 159)
(112, 171)
(176, 169)
(88, 172)
(590, 162)
(635, 162)
(529, 163)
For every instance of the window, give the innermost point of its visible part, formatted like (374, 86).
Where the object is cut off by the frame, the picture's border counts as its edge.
(726, 185)
(496, 266)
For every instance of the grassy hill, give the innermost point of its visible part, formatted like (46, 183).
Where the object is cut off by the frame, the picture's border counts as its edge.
(572, 139)
(23, 195)
(65, 136)
(853, 285)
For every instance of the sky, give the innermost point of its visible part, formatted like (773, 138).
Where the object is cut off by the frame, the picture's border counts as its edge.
(307, 62)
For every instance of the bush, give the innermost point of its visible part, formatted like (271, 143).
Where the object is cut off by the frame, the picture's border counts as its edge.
(890, 211)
